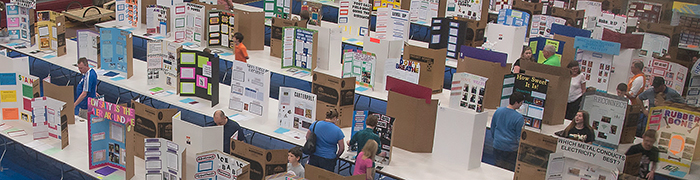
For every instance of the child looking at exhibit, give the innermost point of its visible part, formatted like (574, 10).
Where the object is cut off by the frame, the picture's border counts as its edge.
(241, 51)
(361, 137)
(650, 154)
(293, 162)
(580, 129)
(364, 164)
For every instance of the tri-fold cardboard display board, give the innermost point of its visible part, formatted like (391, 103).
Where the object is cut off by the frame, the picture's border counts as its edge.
(150, 123)
(262, 162)
(199, 75)
(52, 31)
(116, 51)
(334, 93)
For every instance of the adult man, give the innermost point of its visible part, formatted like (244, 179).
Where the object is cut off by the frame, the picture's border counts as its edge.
(549, 53)
(231, 128)
(637, 82)
(659, 85)
(506, 126)
(87, 88)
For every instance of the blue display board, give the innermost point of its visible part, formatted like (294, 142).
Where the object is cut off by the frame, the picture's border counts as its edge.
(116, 52)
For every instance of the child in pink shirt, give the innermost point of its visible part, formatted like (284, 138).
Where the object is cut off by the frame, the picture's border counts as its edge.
(364, 164)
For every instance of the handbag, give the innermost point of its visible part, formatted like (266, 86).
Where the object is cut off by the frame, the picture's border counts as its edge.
(310, 145)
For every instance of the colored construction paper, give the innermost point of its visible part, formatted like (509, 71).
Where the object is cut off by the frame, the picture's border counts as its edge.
(226, 54)
(51, 151)
(49, 56)
(360, 89)
(105, 171)
(10, 113)
(111, 74)
(118, 78)
(7, 79)
(187, 100)
(281, 130)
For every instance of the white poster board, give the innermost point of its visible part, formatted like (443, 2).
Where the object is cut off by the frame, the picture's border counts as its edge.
(250, 88)
(157, 20)
(361, 65)
(127, 12)
(467, 92)
(563, 167)
(297, 108)
(383, 49)
(353, 18)
(607, 117)
(161, 60)
(392, 24)
(163, 159)
(194, 21)
(542, 24)
(401, 69)
(673, 73)
(88, 46)
(595, 24)
(330, 42)
(596, 67)
(422, 11)
(506, 39)
(469, 9)
(677, 136)
(653, 45)
(459, 137)
(219, 165)
(47, 117)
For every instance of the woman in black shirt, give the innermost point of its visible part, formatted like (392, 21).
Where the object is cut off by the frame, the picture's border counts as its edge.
(580, 129)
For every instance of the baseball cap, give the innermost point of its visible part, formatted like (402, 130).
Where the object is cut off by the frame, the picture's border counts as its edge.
(658, 81)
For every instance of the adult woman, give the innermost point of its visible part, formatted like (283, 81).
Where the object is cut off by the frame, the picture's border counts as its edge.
(576, 89)
(328, 135)
(579, 129)
(525, 56)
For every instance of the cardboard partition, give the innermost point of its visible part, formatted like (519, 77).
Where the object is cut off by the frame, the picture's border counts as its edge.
(491, 70)
(432, 65)
(559, 80)
(334, 93)
(414, 128)
(276, 33)
(531, 8)
(475, 31)
(263, 162)
(569, 52)
(572, 17)
(629, 128)
(383, 49)
(316, 173)
(251, 23)
(329, 47)
(533, 155)
(151, 123)
(61, 93)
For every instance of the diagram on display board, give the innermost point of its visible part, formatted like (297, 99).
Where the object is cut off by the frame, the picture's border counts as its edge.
(424, 10)
(673, 73)
(164, 159)
(606, 117)
(353, 18)
(161, 59)
(468, 92)
(157, 19)
(199, 75)
(513, 17)
(392, 24)
(16, 89)
(50, 119)
(535, 91)
(21, 23)
(299, 48)
(128, 12)
(108, 126)
(221, 25)
(497, 5)
(52, 32)
(646, 11)
(297, 108)
(677, 136)
(250, 88)
(313, 9)
(470, 9)
(89, 46)
(215, 164)
(116, 50)
(361, 65)
(405, 70)
(542, 25)
(277, 8)
(654, 45)
(384, 128)
(394, 4)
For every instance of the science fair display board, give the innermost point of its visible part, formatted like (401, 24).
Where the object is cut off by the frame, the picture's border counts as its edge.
(595, 57)
(108, 128)
(21, 22)
(467, 92)
(535, 91)
(189, 23)
(215, 164)
(220, 24)
(353, 18)
(313, 9)
(277, 8)
(334, 93)
(693, 95)
(646, 11)
(360, 64)
(542, 25)
(386, 4)
(596, 24)
(52, 31)
(50, 119)
(199, 75)
(330, 42)
(250, 88)
(128, 12)
(677, 131)
(606, 117)
(537, 45)
(654, 45)
(497, 5)
(444, 33)
(42, 88)
(513, 17)
(116, 51)
(158, 20)
(424, 10)
(470, 9)
(506, 39)
(164, 159)
(16, 89)
(392, 24)
(385, 125)
(575, 160)
(459, 137)
(431, 63)
(673, 73)
(162, 57)
(297, 108)
(299, 48)
(89, 46)
(151, 123)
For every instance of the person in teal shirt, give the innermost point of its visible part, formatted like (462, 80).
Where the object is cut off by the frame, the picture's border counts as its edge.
(549, 53)
(361, 137)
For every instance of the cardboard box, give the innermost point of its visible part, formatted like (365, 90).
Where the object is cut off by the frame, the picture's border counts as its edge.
(61, 93)
(333, 92)
(569, 52)
(572, 17)
(253, 28)
(316, 173)
(262, 162)
(414, 127)
(559, 80)
(528, 7)
(432, 65)
(533, 155)
(476, 29)
(629, 128)
(492, 70)
(276, 34)
(151, 123)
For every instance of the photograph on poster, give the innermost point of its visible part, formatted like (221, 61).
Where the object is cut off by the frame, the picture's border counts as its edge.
(468, 91)
(385, 125)
(361, 65)
(107, 119)
(535, 90)
(297, 108)
(198, 77)
(673, 73)
(469, 9)
(542, 25)
(677, 138)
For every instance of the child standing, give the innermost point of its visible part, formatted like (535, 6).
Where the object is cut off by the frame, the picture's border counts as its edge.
(364, 164)
(650, 154)
(293, 164)
(241, 51)
(361, 137)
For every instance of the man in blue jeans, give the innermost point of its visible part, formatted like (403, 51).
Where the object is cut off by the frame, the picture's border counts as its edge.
(506, 126)
(87, 87)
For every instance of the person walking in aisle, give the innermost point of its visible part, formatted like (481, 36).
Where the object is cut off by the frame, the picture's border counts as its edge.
(329, 142)
(87, 88)
(506, 126)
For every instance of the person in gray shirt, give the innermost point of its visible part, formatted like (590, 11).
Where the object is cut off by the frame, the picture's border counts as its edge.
(293, 162)
(659, 85)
